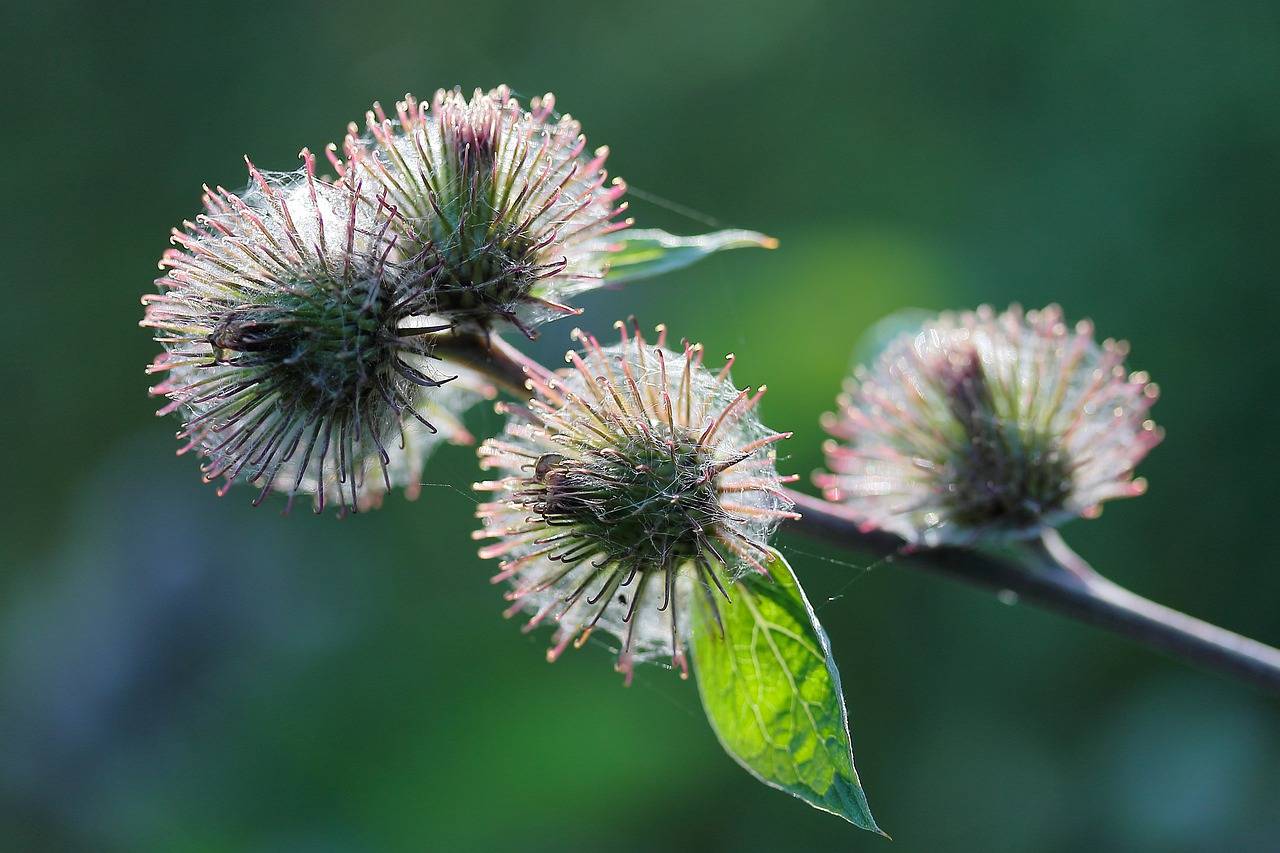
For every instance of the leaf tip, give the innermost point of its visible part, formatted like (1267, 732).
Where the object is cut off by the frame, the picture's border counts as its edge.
(850, 803)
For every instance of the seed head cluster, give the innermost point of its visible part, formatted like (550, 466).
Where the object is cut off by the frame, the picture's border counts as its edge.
(634, 479)
(297, 317)
(982, 425)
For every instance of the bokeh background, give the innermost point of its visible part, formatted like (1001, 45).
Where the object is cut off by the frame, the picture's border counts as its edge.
(183, 673)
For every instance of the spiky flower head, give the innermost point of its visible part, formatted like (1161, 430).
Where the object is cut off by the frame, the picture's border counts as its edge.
(501, 202)
(985, 425)
(295, 347)
(635, 479)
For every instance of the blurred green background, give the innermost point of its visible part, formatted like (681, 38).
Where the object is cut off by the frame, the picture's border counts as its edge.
(183, 673)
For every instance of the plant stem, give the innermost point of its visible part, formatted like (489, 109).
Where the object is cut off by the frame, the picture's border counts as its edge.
(491, 356)
(1053, 576)
(1058, 579)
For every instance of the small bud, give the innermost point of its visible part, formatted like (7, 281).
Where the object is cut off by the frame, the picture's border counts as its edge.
(635, 479)
(501, 206)
(981, 426)
(296, 349)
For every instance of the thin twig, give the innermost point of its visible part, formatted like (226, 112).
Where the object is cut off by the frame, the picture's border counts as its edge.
(1058, 579)
(490, 355)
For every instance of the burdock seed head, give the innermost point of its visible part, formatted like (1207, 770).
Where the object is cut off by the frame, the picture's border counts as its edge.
(295, 344)
(982, 425)
(634, 479)
(499, 203)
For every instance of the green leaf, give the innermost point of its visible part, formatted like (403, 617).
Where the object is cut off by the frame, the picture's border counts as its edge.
(772, 692)
(652, 252)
